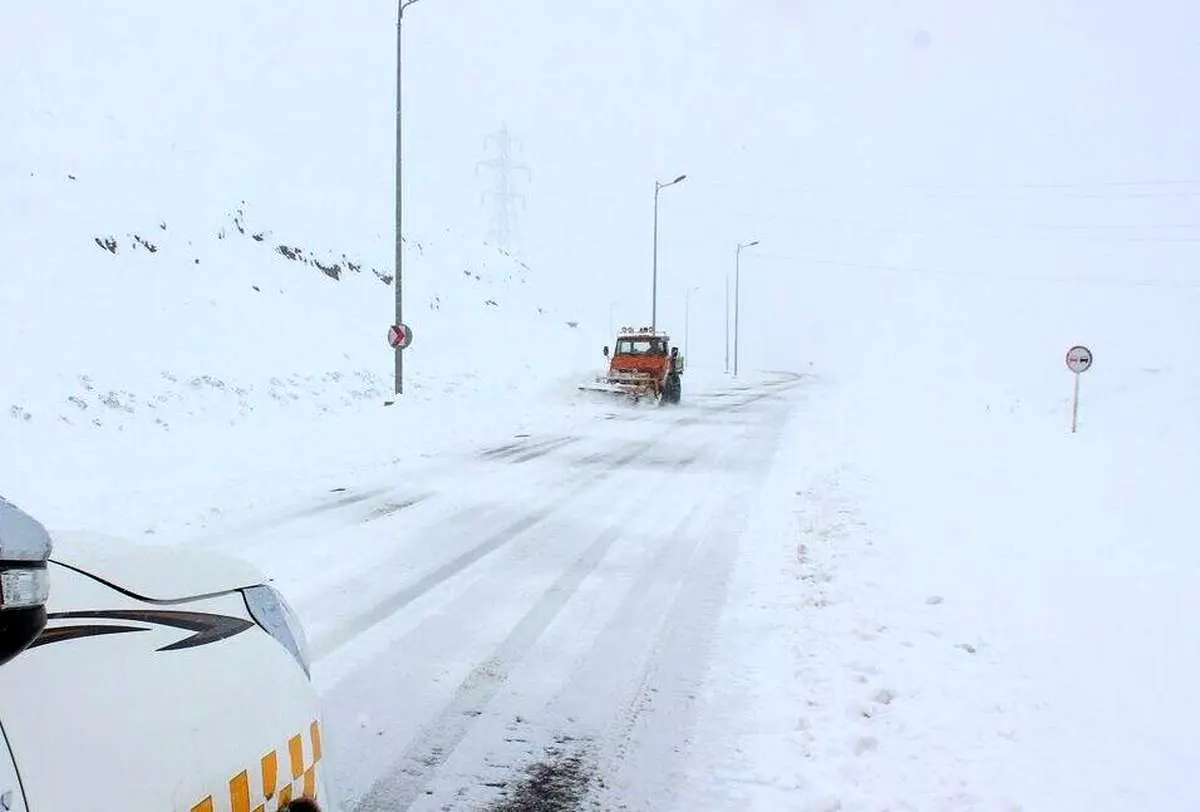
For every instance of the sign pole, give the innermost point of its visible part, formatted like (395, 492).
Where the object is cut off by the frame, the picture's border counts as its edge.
(1075, 406)
(398, 276)
(1079, 361)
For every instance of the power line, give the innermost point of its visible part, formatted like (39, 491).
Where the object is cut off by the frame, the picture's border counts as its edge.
(998, 194)
(992, 192)
(979, 185)
(978, 277)
(1040, 231)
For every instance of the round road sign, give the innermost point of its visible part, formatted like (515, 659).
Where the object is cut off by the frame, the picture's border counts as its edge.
(1079, 359)
(399, 336)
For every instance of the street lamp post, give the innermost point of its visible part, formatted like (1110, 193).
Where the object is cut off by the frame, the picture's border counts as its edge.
(399, 277)
(611, 306)
(687, 313)
(737, 289)
(658, 187)
(727, 322)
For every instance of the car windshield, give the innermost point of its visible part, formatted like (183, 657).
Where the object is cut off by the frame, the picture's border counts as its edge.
(641, 346)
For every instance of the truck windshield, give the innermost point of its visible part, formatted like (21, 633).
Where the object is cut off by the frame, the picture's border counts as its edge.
(641, 346)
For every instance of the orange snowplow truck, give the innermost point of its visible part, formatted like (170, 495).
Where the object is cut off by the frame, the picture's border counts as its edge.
(642, 364)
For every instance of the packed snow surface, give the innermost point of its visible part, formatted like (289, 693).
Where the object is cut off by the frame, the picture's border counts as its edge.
(880, 574)
(776, 596)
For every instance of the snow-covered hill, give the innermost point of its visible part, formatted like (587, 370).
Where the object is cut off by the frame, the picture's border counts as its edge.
(196, 221)
(168, 319)
(196, 217)
(176, 342)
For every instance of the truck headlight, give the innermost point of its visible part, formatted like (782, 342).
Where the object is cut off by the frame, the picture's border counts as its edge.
(271, 611)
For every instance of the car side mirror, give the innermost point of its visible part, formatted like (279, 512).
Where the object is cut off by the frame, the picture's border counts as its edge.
(605, 350)
(674, 351)
(25, 549)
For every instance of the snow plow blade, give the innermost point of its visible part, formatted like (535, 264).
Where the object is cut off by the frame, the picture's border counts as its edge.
(603, 387)
(607, 386)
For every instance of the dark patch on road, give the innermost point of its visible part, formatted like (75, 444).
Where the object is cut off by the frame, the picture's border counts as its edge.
(557, 783)
(543, 449)
(658, 461)
(500, 450)
(525, 451)
(390, 507)
(671, 462)
(335, 504)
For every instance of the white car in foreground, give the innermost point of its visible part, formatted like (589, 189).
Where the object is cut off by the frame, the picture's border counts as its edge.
(148, 678)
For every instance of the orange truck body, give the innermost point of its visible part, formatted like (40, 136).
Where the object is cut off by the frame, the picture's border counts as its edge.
(642, 364)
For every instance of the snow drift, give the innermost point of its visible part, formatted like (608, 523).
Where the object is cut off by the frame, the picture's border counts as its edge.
(198, 264)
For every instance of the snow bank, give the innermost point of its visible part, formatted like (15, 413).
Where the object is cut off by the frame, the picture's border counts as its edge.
(948, 601)
(176, 320)
(198, 260)
(140, 348)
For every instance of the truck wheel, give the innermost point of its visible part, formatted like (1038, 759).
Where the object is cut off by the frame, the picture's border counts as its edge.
(673, 391)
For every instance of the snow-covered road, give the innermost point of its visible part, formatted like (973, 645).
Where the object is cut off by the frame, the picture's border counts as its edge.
(503, 623)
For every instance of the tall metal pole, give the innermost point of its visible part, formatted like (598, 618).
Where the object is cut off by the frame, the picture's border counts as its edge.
(658, 187)
(612, 306)
(398, 281)
(737, 288)
(654, 271)
(727, 322)
(687, 315)
(737, 298)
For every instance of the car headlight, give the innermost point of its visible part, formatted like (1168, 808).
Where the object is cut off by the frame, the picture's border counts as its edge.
(271, 611)
(24, 587)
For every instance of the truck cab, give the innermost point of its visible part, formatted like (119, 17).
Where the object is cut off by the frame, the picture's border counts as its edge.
(643, 362)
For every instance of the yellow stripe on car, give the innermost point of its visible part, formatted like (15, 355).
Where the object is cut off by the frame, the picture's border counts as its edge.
(247, 794)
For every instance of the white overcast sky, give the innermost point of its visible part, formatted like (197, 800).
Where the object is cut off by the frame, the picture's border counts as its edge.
(990, 139)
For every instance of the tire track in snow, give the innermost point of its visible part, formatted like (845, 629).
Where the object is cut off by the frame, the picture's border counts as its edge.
(391, 681)
(407, 662)
(662, 706)
(388, 498)
(648, 643)
(574, 710)
(362, 601)
(384, 609)
(660, 709)
(581, 476)
(279, 519)
(648, 659)
(526, 450)
(394, 506)
(381, 610)
(404, 784)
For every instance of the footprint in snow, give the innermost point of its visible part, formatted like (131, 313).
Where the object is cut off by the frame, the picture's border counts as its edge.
(867, 744)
